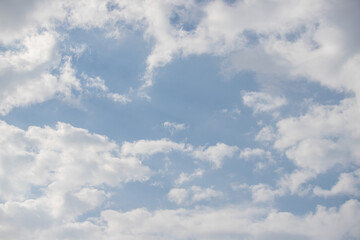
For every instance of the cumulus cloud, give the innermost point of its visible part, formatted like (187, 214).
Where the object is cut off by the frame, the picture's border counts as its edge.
(260, 192)
(348, 184)
(310, 52)
(36, 86)
(51, 176)
(215, 154)
(324, 137)
(235, 223)
(59, 173)
(31, 53)
(63, 161)
(200, 223)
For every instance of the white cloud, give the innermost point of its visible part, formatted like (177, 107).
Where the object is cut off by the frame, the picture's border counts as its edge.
(33, 51)
(174, 127)
(97, 82)
(38, 85)
(311, 53)
(232, 222)
(258, 155)
(265, 134)
(248, 153)
(294, 181)
(299, 45)
(215, 154)
(178, 195)
(348, 183)
(215, 33)
(150, 147)
(51, 176)
(119, 98)
(82, 14)
(260, 192)
(263, 193)
(184, 177)
(263, 102)
(63, 162)
(22, 18)
(182, 196)
(69, 166)
(324, 137)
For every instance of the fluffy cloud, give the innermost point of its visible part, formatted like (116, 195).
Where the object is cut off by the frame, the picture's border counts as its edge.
(50, 177)
(212, 31)
(263, 193)
(301, 46)
(200, 223)
(348, 184)
(67, 164)
(234, 223)
(55, 175)
(323, 137)
(215, 154)
(262, 102)
(33, 66)
(25, 73)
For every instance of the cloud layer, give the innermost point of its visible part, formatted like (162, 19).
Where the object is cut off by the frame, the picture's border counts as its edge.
(64, 182)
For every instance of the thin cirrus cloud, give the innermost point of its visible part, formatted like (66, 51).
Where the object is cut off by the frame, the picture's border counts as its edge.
(97, 180)
(173, 127)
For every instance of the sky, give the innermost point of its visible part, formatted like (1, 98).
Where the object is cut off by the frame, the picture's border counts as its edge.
(180, 119)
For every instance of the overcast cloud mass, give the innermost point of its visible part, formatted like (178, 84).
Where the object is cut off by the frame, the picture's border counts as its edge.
(180, 119)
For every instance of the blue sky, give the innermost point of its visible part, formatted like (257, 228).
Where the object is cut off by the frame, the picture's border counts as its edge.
(179, 119)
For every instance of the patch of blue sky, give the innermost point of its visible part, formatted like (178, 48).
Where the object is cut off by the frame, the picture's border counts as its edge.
(120, 62)
(301, 205)
(192, 91)
(302, 94)
(252, 38)
(180, 18)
